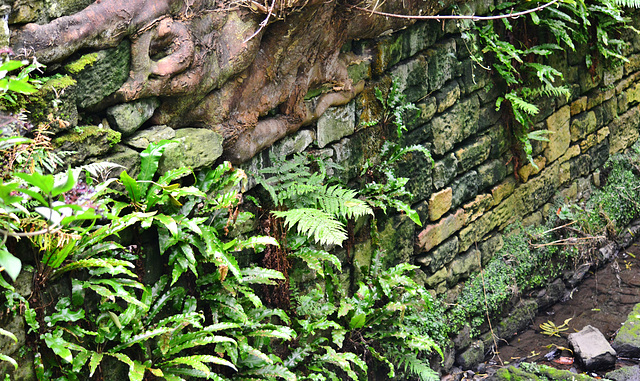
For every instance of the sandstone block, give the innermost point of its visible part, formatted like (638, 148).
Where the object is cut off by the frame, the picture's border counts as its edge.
(582, 125)
(578, 106)
(336, 123)
(444, 171)
(464, 188)
(439, 203)
(442, 63)
(624, 131)
(490, 173)
(530, 169)
(448, 95)
(473, 153)
(154, 134)
(503, 190)
(434, 234)
(571, 152)
(478, 206)
(559, 124)
(441, 255)
(455, 125)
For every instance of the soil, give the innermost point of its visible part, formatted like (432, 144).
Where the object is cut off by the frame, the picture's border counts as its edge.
(603, 300)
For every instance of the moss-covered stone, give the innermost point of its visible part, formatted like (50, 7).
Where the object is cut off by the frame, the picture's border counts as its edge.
(99, 78)
(627, 341)
(128, 117)
(54, 100)
(87, 141)
(536, 372)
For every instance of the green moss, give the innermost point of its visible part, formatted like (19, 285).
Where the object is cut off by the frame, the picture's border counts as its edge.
(83, 133)
(78, 65)
(59, 83)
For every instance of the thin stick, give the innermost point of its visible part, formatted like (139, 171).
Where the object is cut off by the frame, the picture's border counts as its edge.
(456, 17)
(264, 22)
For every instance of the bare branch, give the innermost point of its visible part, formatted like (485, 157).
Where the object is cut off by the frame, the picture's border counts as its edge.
(457, 17)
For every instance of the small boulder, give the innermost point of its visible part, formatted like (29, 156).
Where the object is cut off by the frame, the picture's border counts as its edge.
(128, 117)
(627, 341)
(141, 139)
(592, 349)
(626, 373)
(194, 148)
(472, 356)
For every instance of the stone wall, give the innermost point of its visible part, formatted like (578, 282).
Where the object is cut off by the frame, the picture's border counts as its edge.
(465, 199)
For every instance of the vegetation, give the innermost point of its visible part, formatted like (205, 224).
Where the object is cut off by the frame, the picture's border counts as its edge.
(514, 50)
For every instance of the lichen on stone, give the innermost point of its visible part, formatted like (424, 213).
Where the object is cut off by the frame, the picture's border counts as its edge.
(78, 65)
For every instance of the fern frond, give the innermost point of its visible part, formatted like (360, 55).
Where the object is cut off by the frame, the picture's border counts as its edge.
(627, 3)
(413, 365)
(313, 258)
(316, 224)
(342, 202)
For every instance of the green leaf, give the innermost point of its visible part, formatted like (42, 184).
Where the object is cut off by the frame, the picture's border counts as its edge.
(149, 159)
(9, 263)
(59, 346)
(132, 187)
(316, 224)
(95, 360)
(9, 359)
(21, 87)
(9, 335)
(66, 186)
(168, 222)
(136, 370)
(357, 321)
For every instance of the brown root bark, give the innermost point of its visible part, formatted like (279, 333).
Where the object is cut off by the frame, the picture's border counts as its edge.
(219, 68)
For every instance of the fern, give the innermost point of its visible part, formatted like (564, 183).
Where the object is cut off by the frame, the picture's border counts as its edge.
(323, 227)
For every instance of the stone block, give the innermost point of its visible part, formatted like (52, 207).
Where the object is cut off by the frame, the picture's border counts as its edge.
(442, 255)
(129, 117)
(55, 99)
(582, 125)
(530, 169)
(400, 46)
(594, 139)
(520, 317)
(488, 116)
(572, 152)
(491, 173)
(128, 158)
(612, 75)
(500, 136)
(592, 349)
(336, 123)
(503, 190)
(633, 65)
(417, 167)
(551, 294)
(195, 148)
(427, 109)
(444, 171)
(472, 77)
(559, 124)
(153, 134)
(101, 74)
(473, 153)
(455, 125)
(578, 106)
(412, 78)
(448, 96)
(294, 143)
(464, 265)
(629, 97)
(624, 131)
(438, 278)
(86, 141)
(627, 341)
(442, 63)
(489, 247)
(478, 206)
(472, 356)
(439, 203)
(464, 188)
(434, 234)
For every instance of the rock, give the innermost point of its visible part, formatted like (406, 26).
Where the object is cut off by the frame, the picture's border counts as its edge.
(464, 188)
(86, 141)
(439, 203)
(473, 153)
(592, 349)
(432, 235)
(412, 77)
(520, 317)
(441, 255)
(55, 99)
(444, 171)
(125, 156)
(626, 373)
(154, 134)
(336, 123)
(195, 148)
(560, 139)
(552, 294)
(456, 124)
(536, 372)
(627, 341)
(100, 74)
(472, 356)
(128, 117)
